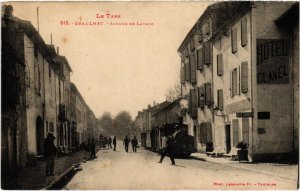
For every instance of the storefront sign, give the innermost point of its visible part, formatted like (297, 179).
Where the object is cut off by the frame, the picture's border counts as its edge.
(272, 61)
(244, 114)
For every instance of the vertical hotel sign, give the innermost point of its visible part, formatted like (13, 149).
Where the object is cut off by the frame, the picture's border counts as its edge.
(272, 61)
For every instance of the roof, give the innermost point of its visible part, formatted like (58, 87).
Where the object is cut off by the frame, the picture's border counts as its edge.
(220, 11)
(289, 17)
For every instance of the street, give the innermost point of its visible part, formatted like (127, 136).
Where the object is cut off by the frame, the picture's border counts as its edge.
(121, 170)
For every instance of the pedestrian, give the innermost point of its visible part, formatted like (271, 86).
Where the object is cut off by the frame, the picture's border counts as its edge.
(115, 142)
(109, 142)
(93, 147)
(49, 153)
(134, 144)
(168, 150)
(126, 143)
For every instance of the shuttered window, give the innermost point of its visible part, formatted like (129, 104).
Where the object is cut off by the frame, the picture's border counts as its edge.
(244, 39)
(235, 129)
(201, 97)
(200, 58)
(244, 76)
(207, 94)
(193, 103)
(187, 71)
(234, 82)
(245, 126)
(193, 69)
(207, 54)
(192, 45)
(220, 64)
(220, 99)
(234, 40)
(182, 74)
(239, 80)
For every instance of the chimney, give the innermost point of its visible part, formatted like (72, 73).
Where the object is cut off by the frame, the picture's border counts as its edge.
(57, 51)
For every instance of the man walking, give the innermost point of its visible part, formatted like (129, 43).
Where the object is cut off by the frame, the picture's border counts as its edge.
(93, 149)
(126, 143)
(169, 149)
(134, 144)
(49, 153)
(115, 142)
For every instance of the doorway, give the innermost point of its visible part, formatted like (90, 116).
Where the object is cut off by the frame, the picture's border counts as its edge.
(228, 138)
(40, 135)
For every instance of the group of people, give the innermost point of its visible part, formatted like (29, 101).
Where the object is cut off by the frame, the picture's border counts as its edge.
(134, 144)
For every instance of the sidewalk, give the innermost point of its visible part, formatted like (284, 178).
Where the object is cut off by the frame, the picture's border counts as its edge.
(32, 178)
(287, 171)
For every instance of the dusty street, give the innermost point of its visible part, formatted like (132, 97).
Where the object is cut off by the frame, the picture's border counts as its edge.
(121, 170)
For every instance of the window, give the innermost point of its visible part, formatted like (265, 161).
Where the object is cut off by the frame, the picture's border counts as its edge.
(200, 58)
(51, 127)
(208, 100)
(193, 68)
(201, 97)
(182, 75)
(220, 64)
(207, 51)
(244, 76)
(263, 115)
(234, 82)
(192, 45)
(245, 126)
(188, 71)
(234, 40)
(220, 99)
(193, 103)
(244, 39)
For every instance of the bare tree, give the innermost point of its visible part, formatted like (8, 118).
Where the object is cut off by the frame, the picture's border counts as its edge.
(173, 93)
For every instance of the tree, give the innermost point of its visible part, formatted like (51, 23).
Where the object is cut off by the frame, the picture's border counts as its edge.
(122, 124)
(106, 122)
(173, 93)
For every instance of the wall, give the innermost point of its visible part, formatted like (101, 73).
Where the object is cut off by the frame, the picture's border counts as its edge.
(270, 136)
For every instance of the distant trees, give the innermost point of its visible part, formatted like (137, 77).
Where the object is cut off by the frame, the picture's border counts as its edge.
(120, 126)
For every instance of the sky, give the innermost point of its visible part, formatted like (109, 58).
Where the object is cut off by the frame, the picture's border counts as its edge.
(117, 67)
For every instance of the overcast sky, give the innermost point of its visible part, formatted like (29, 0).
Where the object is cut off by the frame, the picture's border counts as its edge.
(117, 67)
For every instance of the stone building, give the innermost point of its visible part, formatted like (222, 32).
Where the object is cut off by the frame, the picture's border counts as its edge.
(36, 96)
(250, 77)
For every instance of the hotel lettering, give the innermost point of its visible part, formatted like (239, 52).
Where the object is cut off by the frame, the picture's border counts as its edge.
(272, 61)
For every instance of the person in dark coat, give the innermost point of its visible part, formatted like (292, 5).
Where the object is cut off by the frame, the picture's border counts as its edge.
(109, 142)
(93, 151)
(134, 144)
(168, 150)
(126, 143)
(49, 153)
(115, 142)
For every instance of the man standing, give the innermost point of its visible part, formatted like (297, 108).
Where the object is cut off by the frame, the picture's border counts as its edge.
(134, 144)
(126, 143)
(169, 149)
(49, 153)
(115, 142)
(93, 149)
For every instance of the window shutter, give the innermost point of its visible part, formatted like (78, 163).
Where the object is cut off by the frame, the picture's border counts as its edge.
(193, 69)
(188, 71)
(207, 93)
(182, 57)
(244, 39)
(192, 45)
(220, 64)
(207, 51)
(234, 82)
(182, 75)
(245, 126)
(239, 80)
(234, 40)
(244, 75)
(193, 103)
(209, 132)
(235, 128)
(201, 97)
(220, 99)
(203, 133)
(200, 58)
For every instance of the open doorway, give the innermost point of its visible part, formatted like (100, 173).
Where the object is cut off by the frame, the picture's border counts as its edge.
(228, 138)
(39, 135)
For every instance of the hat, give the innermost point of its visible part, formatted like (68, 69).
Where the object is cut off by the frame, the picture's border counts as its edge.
(50, 134)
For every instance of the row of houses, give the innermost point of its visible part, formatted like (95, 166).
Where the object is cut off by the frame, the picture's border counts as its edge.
(240, 76)
(37, 97)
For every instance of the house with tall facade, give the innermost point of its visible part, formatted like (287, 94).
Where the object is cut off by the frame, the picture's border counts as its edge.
(244, 87)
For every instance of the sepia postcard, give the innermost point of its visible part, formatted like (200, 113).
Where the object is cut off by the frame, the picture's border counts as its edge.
(150, 95)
